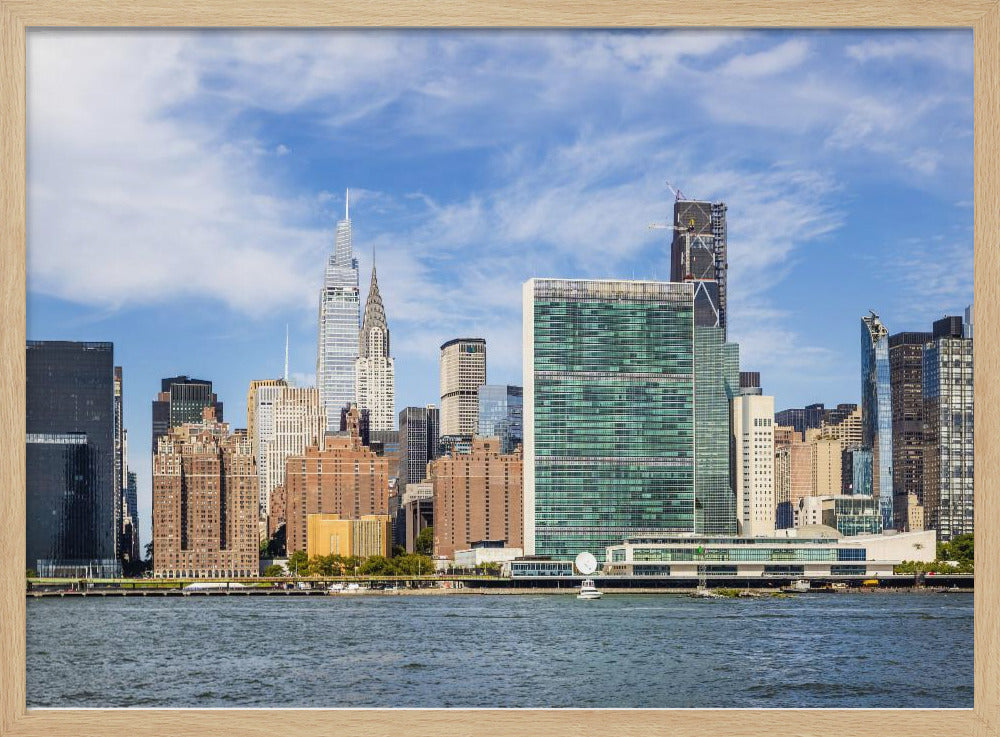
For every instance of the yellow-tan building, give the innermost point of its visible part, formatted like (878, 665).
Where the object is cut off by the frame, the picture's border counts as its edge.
(914, 513)
(329, 534)
(342, 477)
(826, 463)
(844, 424)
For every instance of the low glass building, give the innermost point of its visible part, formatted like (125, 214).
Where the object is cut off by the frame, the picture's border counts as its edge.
(857, 515)
(538, 568)
(819, 551)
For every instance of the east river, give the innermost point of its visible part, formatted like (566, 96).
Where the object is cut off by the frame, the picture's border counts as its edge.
(814, 650)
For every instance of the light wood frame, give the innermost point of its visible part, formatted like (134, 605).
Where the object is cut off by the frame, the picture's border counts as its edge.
(983, 16)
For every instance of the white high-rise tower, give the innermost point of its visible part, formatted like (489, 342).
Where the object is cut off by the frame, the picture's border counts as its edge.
(375, 368)
(339, 312)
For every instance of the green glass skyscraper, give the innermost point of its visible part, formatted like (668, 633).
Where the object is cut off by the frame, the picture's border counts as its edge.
(609, 414)
(716, 382)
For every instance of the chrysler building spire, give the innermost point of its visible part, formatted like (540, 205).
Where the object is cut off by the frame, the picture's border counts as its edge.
(374, 317)
(375, 373)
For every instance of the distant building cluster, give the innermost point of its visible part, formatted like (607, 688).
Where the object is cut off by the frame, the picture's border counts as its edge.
(635, 435)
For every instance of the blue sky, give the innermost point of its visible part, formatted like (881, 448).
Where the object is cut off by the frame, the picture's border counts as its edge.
(183, 188)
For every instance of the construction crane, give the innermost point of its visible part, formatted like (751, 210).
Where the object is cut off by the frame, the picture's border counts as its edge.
(678, 195)
(689, 230)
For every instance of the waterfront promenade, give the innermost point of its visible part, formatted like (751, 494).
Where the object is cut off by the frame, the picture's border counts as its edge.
(447, 585)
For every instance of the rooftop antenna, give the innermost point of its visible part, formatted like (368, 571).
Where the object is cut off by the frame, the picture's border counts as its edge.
(286, 352)
(347, 204)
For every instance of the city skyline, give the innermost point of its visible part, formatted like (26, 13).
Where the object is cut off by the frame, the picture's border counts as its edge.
(460, 223)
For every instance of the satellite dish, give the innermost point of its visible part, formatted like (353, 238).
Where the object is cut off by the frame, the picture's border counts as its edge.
(586, 563)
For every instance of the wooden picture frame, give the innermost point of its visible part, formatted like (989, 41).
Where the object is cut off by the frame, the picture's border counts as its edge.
(16, 16)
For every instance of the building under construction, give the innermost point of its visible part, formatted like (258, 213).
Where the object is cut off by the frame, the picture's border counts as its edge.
(698, 254)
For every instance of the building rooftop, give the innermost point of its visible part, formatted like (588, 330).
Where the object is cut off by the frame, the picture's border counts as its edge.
(453, 341)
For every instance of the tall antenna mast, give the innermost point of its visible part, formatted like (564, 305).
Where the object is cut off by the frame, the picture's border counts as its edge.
(286, 352)
(347, 205)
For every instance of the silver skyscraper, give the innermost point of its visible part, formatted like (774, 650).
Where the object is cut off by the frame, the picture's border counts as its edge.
(339, 318)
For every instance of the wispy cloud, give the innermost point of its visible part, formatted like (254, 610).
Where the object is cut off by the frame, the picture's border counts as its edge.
(186, 178)
(776, 60)
(950, 51)
(933, 275)
(130, 205)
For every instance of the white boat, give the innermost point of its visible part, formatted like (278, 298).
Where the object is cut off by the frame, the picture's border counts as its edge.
(213, 586)
(588, 590)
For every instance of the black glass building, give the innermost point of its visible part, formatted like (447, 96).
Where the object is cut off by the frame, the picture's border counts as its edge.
(419, 428)
(70, 459)
(181, 401)
(802, 419)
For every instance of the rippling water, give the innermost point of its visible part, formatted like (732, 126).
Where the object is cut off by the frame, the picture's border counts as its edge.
(835, 650)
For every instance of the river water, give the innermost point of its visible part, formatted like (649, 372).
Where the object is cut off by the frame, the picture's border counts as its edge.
(816, 650)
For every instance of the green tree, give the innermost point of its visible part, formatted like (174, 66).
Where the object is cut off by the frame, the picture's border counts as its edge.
(414, 565)
(31, 573)
(273, 571)
(350, 564)
(147, 563)
(322, 565)
(378, 565)
(960, 548)
(424, 544)
(298, 563)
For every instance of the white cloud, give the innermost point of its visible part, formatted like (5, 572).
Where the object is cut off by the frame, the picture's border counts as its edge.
(776, 60)
(933, 275)
(161, 182)
(130, 205)
(949, 50)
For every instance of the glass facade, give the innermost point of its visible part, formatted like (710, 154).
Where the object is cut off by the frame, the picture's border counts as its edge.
(876, 410)
(906, 367)
(716, 382)
(339, 326)
(611, 388)
(541, 568)
(71, 509)
(948, 404)
(848, 570)
(501, 413)
(802, 419)
(857, 515)
(736, 550)
(741, 554)
(856, 469)
(418, 442)
(181, 401)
